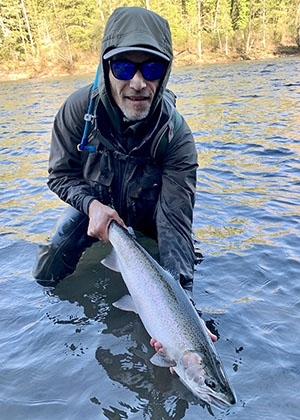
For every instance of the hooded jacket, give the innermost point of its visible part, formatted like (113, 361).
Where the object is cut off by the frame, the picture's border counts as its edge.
(153, 195)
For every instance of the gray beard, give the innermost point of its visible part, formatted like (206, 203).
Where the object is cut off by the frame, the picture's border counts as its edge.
(132, 118)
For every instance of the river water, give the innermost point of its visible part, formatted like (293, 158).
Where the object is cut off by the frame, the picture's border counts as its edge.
(67, 353)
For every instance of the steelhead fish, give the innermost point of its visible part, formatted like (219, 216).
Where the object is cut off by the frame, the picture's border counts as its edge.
(169, 316)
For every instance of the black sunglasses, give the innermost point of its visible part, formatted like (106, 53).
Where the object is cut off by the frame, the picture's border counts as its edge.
(125, 70)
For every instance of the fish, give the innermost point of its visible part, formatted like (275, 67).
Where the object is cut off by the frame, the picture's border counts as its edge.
(169, 316)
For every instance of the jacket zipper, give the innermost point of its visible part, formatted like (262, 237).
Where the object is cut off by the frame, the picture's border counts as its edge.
(126, 177)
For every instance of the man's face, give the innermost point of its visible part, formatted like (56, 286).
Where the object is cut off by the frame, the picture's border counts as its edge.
(135, 96)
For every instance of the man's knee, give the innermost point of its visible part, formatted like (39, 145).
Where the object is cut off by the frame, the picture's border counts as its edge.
(50, 265)
(59, 256)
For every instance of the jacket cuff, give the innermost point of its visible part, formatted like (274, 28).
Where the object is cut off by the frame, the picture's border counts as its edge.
(86, 203)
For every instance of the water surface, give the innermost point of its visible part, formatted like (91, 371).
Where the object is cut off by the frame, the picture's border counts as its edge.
(67, 353)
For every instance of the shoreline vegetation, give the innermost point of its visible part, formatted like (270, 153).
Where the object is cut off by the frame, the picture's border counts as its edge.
(41, 39)
(87, 64)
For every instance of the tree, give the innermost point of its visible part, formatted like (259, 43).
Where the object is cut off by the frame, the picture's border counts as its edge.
(223, 24)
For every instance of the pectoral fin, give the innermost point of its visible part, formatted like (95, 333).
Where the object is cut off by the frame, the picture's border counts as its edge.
(125, 304)
(161, 359)
(111, 261)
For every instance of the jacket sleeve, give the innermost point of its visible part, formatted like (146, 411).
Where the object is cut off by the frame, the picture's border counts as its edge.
(174, 214)
(65, 161)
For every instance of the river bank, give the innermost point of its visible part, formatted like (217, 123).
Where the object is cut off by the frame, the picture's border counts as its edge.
(87, 64)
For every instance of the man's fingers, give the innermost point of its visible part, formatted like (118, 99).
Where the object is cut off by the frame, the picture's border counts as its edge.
(156, 344)
(100, 217)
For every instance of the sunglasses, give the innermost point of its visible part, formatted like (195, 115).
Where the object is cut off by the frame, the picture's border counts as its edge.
(125, 70)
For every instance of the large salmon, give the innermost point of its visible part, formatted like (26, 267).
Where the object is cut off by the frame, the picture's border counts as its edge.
(169, 316)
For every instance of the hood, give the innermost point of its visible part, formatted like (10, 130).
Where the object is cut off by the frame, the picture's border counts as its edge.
(134, 27)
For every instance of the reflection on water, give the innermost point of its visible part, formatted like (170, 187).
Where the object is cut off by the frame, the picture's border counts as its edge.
(248, 154)
(87, 359)
(124, 350)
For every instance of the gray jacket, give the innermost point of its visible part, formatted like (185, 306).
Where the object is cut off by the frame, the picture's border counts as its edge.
(153, 193)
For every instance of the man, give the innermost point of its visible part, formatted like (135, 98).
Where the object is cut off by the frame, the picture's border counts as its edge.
(124, 178)
(139, 166)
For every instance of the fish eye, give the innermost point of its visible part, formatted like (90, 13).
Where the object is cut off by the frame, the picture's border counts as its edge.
(210, 383)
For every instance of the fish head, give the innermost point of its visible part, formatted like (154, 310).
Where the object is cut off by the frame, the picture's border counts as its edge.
(206, 379)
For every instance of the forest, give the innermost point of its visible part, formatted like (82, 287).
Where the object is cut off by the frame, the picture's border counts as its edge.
(40, 37)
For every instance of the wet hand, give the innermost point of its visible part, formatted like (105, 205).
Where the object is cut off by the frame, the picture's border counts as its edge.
(100, 217)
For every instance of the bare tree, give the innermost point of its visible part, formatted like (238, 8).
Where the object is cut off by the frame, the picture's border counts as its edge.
(27, 26)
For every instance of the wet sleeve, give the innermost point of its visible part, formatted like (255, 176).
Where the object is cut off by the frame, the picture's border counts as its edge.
(174, 214)
(65, 161)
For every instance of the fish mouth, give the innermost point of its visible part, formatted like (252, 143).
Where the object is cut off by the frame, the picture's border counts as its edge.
(218, 400)
(221, 399)
(222, 403)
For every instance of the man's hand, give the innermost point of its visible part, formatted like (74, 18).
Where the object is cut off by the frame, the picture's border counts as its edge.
(100, 217)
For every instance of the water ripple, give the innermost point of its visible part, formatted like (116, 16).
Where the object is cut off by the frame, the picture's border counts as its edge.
(67, 351)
